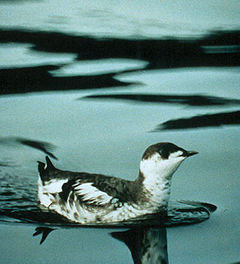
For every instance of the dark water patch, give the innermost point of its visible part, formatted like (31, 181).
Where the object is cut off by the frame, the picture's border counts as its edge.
(159, 53)
(208, 120)
(35, 79)
(43, 146)
(190, 100)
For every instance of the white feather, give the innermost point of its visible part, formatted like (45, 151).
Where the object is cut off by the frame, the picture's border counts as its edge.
(46, 191)
(54, 186)
(91, 193)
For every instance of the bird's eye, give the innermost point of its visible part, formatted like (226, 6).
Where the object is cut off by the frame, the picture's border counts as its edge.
(164, 154)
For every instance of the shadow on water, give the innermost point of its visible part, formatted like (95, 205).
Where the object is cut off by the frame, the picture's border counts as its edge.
(216, 49)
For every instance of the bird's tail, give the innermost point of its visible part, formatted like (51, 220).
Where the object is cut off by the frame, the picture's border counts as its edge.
(45, 169)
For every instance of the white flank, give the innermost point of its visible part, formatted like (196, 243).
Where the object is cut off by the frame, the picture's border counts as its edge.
(125, 212)
(54, 186)
(45, 191)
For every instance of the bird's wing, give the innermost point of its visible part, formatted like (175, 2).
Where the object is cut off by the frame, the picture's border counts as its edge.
(91, 194)
(87, 193)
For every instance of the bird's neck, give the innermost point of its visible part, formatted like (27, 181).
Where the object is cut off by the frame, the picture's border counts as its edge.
(156, 191)
(156, 184)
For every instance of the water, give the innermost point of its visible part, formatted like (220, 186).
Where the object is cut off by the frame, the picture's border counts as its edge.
(92, 85)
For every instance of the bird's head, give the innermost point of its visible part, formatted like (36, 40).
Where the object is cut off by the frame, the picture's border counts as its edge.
(162, 159)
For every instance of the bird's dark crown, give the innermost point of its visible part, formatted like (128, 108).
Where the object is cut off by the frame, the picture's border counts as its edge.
(163, 148)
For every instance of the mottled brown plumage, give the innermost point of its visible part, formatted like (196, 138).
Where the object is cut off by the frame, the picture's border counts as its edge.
(93, 198)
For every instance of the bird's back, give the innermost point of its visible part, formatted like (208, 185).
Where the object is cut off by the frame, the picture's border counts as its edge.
(82, 196)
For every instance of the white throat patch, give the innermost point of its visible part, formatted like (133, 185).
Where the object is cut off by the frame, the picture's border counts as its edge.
(157, 173)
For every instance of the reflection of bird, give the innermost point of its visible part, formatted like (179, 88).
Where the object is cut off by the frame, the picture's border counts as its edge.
(45, 231)
(147, 245)
(92, 198)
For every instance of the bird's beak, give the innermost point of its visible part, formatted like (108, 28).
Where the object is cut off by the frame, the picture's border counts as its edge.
(191, 153)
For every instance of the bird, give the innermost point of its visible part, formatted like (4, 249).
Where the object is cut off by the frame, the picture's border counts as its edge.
(91, 198)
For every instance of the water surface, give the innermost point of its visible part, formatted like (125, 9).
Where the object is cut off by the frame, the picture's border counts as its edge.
(92, 85)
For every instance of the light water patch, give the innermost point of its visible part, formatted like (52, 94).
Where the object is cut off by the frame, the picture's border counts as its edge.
(17, 55)
(136, 19)
(100, 66)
